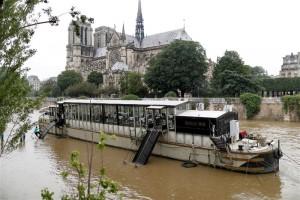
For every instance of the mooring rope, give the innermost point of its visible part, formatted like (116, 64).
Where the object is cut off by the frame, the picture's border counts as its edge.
(295, 161)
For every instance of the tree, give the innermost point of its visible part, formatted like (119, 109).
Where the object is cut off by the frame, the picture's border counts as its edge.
(18, 20)
(171, 94)
(68, 78)
(233, 84)
(232, 77)
(252, 103)
(102, 188)
(259, 72)
(130, 97)
(82, 89)
(15, 107)
(179, 66)
(95, 78)
(50, 88)
(132, 83)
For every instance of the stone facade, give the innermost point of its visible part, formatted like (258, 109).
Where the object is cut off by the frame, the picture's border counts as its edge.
(114, 53)
(290, 66)
(34, 82)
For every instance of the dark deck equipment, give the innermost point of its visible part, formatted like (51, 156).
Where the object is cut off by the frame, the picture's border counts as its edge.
(146, 147)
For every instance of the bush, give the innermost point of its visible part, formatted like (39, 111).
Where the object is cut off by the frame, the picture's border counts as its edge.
(95, 78)
(68, 78)
(108, 91)
(252, 104)
(291, 103)
(171, 94)
(206, 103)
(82, 89)
(130, 97)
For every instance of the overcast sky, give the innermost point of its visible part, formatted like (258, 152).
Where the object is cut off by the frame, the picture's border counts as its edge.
(261, 31)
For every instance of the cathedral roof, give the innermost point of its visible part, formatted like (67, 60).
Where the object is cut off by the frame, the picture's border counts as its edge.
(156, 40)
(101, 52)
(163, 38)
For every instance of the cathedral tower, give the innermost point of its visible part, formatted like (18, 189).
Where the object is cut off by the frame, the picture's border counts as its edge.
(139, 28)
(80, 47)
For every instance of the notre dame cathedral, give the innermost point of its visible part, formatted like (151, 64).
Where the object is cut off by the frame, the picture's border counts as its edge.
(114, 53)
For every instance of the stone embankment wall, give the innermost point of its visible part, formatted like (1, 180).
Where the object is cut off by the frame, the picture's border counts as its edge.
(270, 108)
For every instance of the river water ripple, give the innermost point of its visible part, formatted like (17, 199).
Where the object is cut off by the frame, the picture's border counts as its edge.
(38, 164)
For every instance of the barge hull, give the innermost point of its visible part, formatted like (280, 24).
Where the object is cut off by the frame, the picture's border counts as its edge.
(247, 163)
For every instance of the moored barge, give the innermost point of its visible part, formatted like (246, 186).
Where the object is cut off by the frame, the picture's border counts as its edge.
(169, 129)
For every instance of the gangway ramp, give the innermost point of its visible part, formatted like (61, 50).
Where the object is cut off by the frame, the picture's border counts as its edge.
(146, 147)
(46, 131)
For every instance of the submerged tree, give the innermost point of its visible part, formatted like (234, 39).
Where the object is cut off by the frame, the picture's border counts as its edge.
(85, 188)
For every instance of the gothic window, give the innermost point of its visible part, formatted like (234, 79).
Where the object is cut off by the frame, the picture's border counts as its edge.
(85, 36)
(74, 35)
(81, 35)
(115, 56)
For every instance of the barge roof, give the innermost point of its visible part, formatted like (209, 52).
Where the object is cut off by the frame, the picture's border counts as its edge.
(125, 102)
(201, 114)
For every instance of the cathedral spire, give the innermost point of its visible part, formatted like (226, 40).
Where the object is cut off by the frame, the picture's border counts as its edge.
(139, 28)
(123, 35)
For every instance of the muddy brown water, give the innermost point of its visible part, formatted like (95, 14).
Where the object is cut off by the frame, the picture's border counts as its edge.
(38, 164)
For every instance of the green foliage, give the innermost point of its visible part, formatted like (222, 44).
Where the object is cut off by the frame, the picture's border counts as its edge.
(179, 66)
(104, 185)
(50, 88)
(252, 103)
(234, 84)
(95, 78)
(281, 84)
(131, 83)
(206, 103)
(15, 107)
(67, 79)
(231, 77)
(258, 72)
(82, 89)
(108, 91)
(292, 103)
(171, 94)
(130, 97)
(46, 194)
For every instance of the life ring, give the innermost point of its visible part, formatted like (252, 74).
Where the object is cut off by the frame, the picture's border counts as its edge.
(188, 164)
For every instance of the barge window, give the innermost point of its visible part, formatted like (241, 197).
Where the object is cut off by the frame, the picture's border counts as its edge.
(171, 119)
(122, 115)
(97, 113)
(131, 116)
(125, 115)
(111, 114)
(139, 115)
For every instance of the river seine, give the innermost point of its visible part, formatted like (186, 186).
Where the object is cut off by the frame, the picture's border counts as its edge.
(38, 164)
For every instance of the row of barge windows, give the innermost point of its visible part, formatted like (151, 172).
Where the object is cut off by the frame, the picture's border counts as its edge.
(121, 115)
(139, 116)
